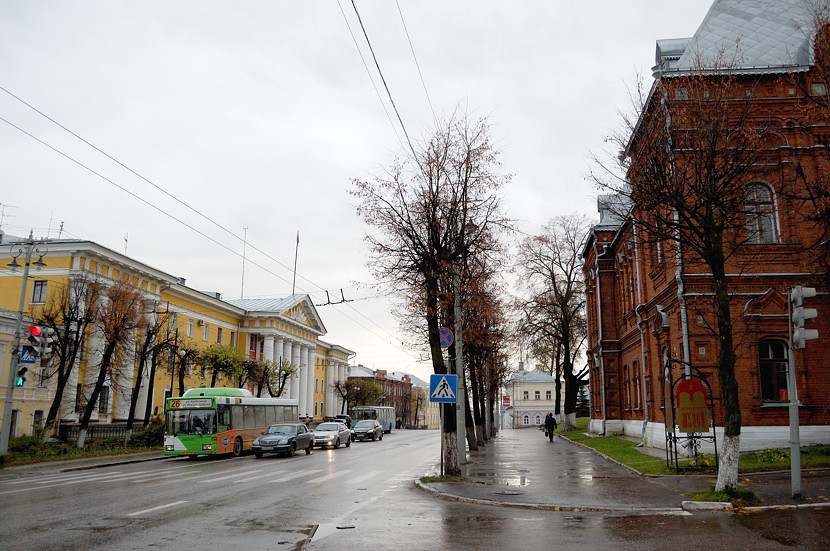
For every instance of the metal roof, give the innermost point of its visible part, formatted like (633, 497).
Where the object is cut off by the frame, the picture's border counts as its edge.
(752, 36)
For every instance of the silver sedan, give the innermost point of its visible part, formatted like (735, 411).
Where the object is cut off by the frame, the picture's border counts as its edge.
(331, 435)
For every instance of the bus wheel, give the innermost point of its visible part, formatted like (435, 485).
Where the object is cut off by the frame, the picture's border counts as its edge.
(237, 446)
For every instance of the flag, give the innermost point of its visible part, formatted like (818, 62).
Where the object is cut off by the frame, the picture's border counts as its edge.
(298, 238)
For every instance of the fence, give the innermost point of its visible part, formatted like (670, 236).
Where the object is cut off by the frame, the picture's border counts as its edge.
(70, 432)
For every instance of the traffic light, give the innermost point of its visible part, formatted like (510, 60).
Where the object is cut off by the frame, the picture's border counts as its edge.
(800, 314)
(41, 339)
(34, 338)
(21, 376)
(47, 337)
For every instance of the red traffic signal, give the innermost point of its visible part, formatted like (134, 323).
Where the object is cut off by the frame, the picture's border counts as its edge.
(34, 330)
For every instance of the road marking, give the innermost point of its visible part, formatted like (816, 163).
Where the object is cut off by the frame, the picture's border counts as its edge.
(367, 476)
(136, 513)
(234, 475)
(257, 477)
(328, 477)
(295, 475)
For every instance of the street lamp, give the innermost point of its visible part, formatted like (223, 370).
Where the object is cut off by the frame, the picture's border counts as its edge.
(27, 250)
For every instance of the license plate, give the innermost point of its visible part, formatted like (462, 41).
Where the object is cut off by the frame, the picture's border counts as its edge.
(267, 448)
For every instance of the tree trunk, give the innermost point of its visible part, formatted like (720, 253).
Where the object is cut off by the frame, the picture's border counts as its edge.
(150, 388)
(92, 403)
(728, 464)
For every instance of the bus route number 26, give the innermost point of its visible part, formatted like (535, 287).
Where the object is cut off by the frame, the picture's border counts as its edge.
(175, 404)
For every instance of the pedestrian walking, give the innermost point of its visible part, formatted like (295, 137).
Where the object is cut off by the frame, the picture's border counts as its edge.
(550, 425)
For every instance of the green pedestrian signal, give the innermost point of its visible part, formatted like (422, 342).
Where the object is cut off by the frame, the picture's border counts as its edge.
(21, 376)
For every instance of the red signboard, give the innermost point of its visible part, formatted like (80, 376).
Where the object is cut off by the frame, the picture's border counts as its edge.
(692, 406)
(505, 401)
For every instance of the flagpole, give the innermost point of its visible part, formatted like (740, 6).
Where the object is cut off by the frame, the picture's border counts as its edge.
(296, 250)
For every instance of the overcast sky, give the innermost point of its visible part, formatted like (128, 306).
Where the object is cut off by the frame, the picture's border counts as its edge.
(258, 113)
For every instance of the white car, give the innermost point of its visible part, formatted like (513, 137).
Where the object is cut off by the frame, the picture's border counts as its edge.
(331, 434)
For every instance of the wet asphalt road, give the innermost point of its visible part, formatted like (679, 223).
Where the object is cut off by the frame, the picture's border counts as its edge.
(362, 497)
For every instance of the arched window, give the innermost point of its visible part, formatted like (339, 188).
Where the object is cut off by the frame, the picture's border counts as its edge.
(761, 223)
(538, 419)
(772, 360)
(526, 419)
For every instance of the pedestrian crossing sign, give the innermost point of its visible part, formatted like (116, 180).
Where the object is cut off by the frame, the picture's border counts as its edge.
(443, 388)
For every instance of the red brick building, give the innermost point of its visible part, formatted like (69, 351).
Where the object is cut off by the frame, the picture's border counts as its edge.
(650, 301)
(397, 391)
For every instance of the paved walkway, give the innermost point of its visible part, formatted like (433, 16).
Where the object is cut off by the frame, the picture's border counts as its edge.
(521, 468)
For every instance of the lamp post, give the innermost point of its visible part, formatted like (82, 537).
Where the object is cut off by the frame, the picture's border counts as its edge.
(27, 250)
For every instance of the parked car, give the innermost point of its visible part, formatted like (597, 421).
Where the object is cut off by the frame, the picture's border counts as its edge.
(284, 438)
(331, 435)
(368, 429)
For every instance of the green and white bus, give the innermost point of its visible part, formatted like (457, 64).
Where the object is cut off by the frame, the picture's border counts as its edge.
(214, 421)
(385, 415)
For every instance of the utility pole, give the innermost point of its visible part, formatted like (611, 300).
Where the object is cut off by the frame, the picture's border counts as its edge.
(27, 250)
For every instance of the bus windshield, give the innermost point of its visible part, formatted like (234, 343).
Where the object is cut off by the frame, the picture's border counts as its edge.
(191, 421)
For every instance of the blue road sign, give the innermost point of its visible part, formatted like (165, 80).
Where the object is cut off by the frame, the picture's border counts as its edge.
(446, 336)
(27, 355)
(443, 388)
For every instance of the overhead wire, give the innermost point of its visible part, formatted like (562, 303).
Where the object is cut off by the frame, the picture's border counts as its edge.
(172, 216)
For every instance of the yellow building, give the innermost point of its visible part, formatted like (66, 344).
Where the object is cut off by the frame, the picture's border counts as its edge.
(532, 395)
(273, 329)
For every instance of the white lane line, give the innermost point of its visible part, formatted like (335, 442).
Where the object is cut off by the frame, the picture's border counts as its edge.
(257, 477)
(328, 477)
(160, 507)
(61, 478)
(295, 475)
(361, 478)
(234, 475)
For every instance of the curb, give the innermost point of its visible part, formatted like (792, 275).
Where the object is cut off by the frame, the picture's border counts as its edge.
(545, 507)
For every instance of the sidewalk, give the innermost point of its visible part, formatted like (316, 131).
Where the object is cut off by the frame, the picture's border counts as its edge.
(521, 468)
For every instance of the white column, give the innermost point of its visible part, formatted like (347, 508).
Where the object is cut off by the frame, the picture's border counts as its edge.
(296, 381)
(268, 352)
(312, 374)
(278, 356)
(330, 380)
(293, 382)
(306, 408)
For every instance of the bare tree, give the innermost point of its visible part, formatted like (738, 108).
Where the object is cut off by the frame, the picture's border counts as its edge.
(430, 212)
(117, 321)
(70, 313)
(553, 314)
(153, 337)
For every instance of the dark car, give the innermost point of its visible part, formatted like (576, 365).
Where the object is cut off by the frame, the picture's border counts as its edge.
(368, 429)
(284, 438)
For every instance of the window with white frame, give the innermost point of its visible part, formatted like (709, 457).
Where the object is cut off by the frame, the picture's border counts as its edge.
(548, 395)
(205, 332)
(190, 328)
(538, 419)
(537, 395)
(526, 419)
(761, 221)
(526, 395)
(773, 364)
(39, 292)
(219, 335)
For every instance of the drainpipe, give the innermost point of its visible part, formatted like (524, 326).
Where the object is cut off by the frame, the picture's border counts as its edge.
(599, 323)
(642, 334)
(681, 299)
